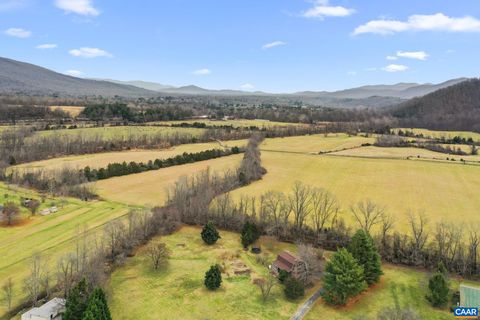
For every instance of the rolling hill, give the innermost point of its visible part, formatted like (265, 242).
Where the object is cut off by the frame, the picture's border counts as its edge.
(456, 107)
(23, 78)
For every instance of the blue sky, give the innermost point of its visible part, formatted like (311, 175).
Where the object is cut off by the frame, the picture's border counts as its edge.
(268, 45)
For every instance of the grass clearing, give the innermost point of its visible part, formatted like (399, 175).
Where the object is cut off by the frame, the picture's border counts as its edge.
(150, 188)
(405, 287)
(109, 133)
(99, 160)
(448, 192)
(51, 235)
(73, 111)
(445, 134)
(137, 292)
(240, 123)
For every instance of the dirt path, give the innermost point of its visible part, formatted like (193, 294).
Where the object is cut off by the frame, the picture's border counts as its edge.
(307, 305)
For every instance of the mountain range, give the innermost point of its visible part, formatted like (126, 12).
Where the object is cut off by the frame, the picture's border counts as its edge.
(23, 78)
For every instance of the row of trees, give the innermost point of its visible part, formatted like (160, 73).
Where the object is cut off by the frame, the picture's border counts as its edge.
(121, 169)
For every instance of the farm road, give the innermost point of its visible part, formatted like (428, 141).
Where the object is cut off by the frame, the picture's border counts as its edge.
(307, 305)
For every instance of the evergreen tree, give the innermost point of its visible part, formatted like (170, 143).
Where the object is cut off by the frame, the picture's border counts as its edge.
(294, 289)
(213, 278)
(209, 233)
(438, 287)
(76, 302)
(364, 251)
(250, 233)
(97, 307)
(343, 278)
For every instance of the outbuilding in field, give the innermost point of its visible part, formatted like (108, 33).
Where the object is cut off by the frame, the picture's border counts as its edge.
(291, 264)
(469, 296)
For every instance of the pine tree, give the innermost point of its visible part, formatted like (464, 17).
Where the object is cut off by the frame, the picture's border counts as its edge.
(97, 307)
(213, 278)
(343, 278)
(76, 302)
(438, 287)
(294, 289)
(363, 249)
(250, 233)
(209, 233)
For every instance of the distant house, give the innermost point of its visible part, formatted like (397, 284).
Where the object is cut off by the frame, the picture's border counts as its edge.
(469, 296)
(52, 310)
(287, 262)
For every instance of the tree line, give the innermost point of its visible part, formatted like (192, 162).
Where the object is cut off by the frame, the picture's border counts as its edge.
(117, 169)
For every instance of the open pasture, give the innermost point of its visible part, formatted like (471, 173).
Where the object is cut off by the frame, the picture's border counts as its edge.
(240, 123)
(445, 191)
(51, 236)
(315, 143)
(73, 111)
(99, 160)
(404, 153)
(125, 132)
(150, 188)
(445, 134)
(136, 291)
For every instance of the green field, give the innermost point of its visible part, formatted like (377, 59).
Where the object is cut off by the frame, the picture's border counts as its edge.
(137, 292)
(98, 160)
(445, 134)
(177, 292)
(240, 123)
(52, 235)
(126, 132)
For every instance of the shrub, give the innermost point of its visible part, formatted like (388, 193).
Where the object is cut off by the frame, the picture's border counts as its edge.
(293, 288)
(438, 287)
(209, 233)
(250, 233)
(213, 278)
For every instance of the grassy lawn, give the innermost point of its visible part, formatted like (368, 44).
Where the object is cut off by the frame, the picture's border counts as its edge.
(137, 292)
(150, 188)
(240, 123)
(99, 160)
(315, 143)
(52, 235)
(123, 131)
(446, 191)
(446, 134)
(400, 286)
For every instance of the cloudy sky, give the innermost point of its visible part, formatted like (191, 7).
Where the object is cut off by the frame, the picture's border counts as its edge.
(269, 45)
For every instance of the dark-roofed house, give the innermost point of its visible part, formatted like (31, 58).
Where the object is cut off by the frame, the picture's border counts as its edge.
(295, 266)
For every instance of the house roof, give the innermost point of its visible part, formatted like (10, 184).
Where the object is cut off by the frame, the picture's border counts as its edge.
(52, 307)
(469, 295)
(286, 261)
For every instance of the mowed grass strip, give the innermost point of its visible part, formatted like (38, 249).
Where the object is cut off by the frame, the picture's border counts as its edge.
(51, 236)
(100, 160)
(443, 134)
(136, 291)
(240, 123)
(150, 188)
(446, 192)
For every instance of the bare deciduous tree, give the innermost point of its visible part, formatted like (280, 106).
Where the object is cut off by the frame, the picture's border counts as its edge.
(418, 224)
(158, 254)
(300, 203)
(312, 258)
(32, 283)
(10, 212)
(324, 208)
(367, 214)
(265, 285)
(7, 290)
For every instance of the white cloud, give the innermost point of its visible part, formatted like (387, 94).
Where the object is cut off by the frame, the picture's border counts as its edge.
(247, 86)
(86, 52)
(46, 46)
(395, 68)
(202, 72)
(392, 58)
(74, 73)
(82, 7)
(273, 45)
(434, 22)
(418, 55)
(352, 73)
(322, 9)
(18, 32)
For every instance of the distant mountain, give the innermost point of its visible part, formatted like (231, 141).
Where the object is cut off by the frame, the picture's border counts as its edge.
(153, 86)
(399, 90)
(24, 78)
(456, 107)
